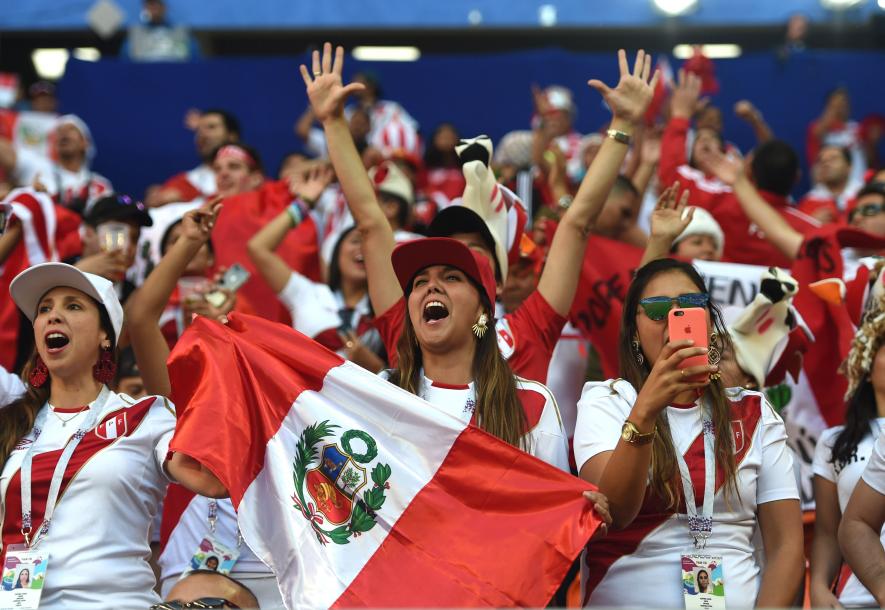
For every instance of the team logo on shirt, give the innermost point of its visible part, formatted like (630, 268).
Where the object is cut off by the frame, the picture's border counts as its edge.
(737, 432)
(113, 427)
(328, 482)
(506, 342)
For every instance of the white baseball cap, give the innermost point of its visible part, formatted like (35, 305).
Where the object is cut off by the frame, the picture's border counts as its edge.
(703, 223)
(30, 285)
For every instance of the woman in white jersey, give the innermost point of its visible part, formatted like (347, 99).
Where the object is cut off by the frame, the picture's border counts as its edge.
(83, 468)
(189, 521)
(840, 457)
(448, 356)
(634, 439)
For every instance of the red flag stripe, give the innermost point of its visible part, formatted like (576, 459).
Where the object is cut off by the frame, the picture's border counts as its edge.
(411, 554)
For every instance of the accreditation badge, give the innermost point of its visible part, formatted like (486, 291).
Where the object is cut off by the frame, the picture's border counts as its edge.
(214, 556)
(703, 582)
(24, 572)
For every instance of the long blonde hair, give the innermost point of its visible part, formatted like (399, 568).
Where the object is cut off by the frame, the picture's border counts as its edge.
(664, 470)
(498, 408)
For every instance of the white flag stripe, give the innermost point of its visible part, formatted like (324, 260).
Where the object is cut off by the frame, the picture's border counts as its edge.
(414, 450)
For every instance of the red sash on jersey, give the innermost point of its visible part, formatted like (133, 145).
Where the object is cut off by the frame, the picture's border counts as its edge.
(745, 418)
(119, 424)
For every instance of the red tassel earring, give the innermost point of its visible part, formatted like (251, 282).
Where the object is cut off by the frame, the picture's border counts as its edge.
(105, 369)
(39, 374)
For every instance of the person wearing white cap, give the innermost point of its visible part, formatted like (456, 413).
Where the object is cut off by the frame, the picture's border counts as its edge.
(66, 176)
(678, 229)
(72, 450)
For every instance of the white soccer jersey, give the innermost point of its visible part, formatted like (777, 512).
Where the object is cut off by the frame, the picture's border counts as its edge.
(567, 373)
(639, 565)
(98, 543)
(11, 387)
(845, 475)
(191, 527)
(546, 437)
(874, 474)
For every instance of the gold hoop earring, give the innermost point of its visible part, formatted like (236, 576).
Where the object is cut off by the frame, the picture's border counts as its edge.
(481, 326)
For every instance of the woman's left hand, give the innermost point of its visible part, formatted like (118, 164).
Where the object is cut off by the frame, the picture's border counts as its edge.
(600, 507)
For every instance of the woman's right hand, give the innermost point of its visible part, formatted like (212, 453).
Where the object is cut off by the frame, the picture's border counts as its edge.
(667, 381)
(325, 88)
(197, 224)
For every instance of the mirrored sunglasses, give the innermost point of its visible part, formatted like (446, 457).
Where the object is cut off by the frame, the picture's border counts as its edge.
(870, 209)
(657, 308)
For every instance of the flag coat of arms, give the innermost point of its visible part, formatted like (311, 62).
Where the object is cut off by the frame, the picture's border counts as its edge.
(358, 493)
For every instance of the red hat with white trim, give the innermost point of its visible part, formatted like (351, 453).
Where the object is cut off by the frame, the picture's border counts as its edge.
(411, 257)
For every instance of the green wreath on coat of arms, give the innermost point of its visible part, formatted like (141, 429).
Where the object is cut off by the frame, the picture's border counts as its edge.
(334, 481)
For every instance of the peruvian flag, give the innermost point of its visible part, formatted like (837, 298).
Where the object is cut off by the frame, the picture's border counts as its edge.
(832, 323)
(45, 228)
(358, 493)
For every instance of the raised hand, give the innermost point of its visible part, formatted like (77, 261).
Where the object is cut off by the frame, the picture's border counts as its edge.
(310, 184)
(725, 167)
(744, 109)
(684, 101)
(325, 88)
(633, 93)
(667, 221)
(197, 224)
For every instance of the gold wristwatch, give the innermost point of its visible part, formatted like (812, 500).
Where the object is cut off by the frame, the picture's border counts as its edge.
(631, 434)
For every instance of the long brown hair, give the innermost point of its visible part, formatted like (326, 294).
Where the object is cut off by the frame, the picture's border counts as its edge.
(17, 419)
(663, 458)
(498, 408)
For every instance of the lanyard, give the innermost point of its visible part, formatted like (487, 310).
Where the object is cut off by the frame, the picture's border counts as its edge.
(213, 519)
(700, 527)
(58, 474)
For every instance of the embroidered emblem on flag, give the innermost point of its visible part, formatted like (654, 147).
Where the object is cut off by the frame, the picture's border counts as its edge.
(334, 483)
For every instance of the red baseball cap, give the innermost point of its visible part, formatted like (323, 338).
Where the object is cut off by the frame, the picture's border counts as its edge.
(411, 257)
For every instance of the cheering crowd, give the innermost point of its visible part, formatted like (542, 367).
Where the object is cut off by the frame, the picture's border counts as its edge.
(552, 290)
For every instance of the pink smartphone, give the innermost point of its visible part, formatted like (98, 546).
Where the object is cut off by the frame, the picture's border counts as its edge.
(690, 323)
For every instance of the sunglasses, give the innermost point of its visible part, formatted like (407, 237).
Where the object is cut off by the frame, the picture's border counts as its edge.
(203, 602)
(657, 308)
(870, 209)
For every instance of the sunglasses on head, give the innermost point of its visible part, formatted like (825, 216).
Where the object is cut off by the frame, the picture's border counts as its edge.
(203, 602)
(657, 308)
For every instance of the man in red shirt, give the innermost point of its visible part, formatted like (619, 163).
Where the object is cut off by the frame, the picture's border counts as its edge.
(214, 128)
(774, 169)
(834, 186)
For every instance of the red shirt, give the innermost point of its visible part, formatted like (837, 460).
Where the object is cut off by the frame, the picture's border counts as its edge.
(526, 337)
(744, 241)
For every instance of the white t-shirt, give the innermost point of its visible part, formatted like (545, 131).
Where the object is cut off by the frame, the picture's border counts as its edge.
(192, 527)
(639, 565)
(61, 184)
(845, 476)
(874, 475)
(11, 387)
(98, 543)
(546, 436)
(567, 373)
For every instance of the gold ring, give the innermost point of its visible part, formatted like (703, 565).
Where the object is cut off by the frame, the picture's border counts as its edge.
(349, 344)
(317, 74)
(683, 372)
